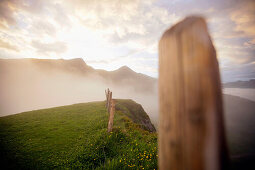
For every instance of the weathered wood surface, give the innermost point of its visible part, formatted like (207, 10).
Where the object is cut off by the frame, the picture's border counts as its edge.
(191, 127)
(109, 102)
(107, 92)
(111, 116)
(106, 95)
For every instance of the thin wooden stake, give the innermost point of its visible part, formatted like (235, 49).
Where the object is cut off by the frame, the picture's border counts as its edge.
(109, 102)
(191, 127)
(106, 95)
(111, 116)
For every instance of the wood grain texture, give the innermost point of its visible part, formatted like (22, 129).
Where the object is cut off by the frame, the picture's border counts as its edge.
(109, 102)
(111, 116)
(191, 127)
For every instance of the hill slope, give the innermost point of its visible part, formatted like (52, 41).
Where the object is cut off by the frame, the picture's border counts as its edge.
(136, 113)
(76, 136)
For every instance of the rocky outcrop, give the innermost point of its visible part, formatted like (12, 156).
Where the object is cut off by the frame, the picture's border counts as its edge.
(136, 113)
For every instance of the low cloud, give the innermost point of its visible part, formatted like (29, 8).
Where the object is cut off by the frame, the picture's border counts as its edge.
(137, 24)
(80, 27)
(49, 48)
(8, 46)
(7, 12)
(43, 27)
(244, 18)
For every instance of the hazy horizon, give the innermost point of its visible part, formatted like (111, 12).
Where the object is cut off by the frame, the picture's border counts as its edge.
(30, 86)
(56, 53)
(109, 34)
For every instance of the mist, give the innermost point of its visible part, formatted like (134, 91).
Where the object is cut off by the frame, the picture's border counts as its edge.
(32, 89)
(24, 87)
(27, 85)
(247, 93)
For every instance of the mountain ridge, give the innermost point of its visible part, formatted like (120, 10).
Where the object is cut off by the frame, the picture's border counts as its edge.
(80, 66)
(55, 82)
(123, 75)
(77, 62)
(240, 84)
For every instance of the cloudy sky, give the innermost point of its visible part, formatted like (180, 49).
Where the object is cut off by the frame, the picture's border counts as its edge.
(108, 34)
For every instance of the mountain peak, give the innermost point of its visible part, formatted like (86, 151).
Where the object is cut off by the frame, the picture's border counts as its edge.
(125, 68)
(77, 61)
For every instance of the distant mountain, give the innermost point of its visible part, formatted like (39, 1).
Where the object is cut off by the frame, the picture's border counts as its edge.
(28, 84)
(125, 76)
(240, 84)
(122, 76)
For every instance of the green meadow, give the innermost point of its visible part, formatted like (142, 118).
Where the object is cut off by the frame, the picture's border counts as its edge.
(76, 137)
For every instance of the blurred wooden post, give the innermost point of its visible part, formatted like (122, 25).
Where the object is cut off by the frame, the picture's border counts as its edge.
(111, 116)
(191, 127)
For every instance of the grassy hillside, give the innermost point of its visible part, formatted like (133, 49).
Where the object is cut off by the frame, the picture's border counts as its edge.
(136, 113)
(76, 136)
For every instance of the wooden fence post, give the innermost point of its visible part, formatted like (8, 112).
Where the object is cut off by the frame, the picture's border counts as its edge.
(107, 92)
(191, 126)
(109, 102)
(111, 116)
(106, 95)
